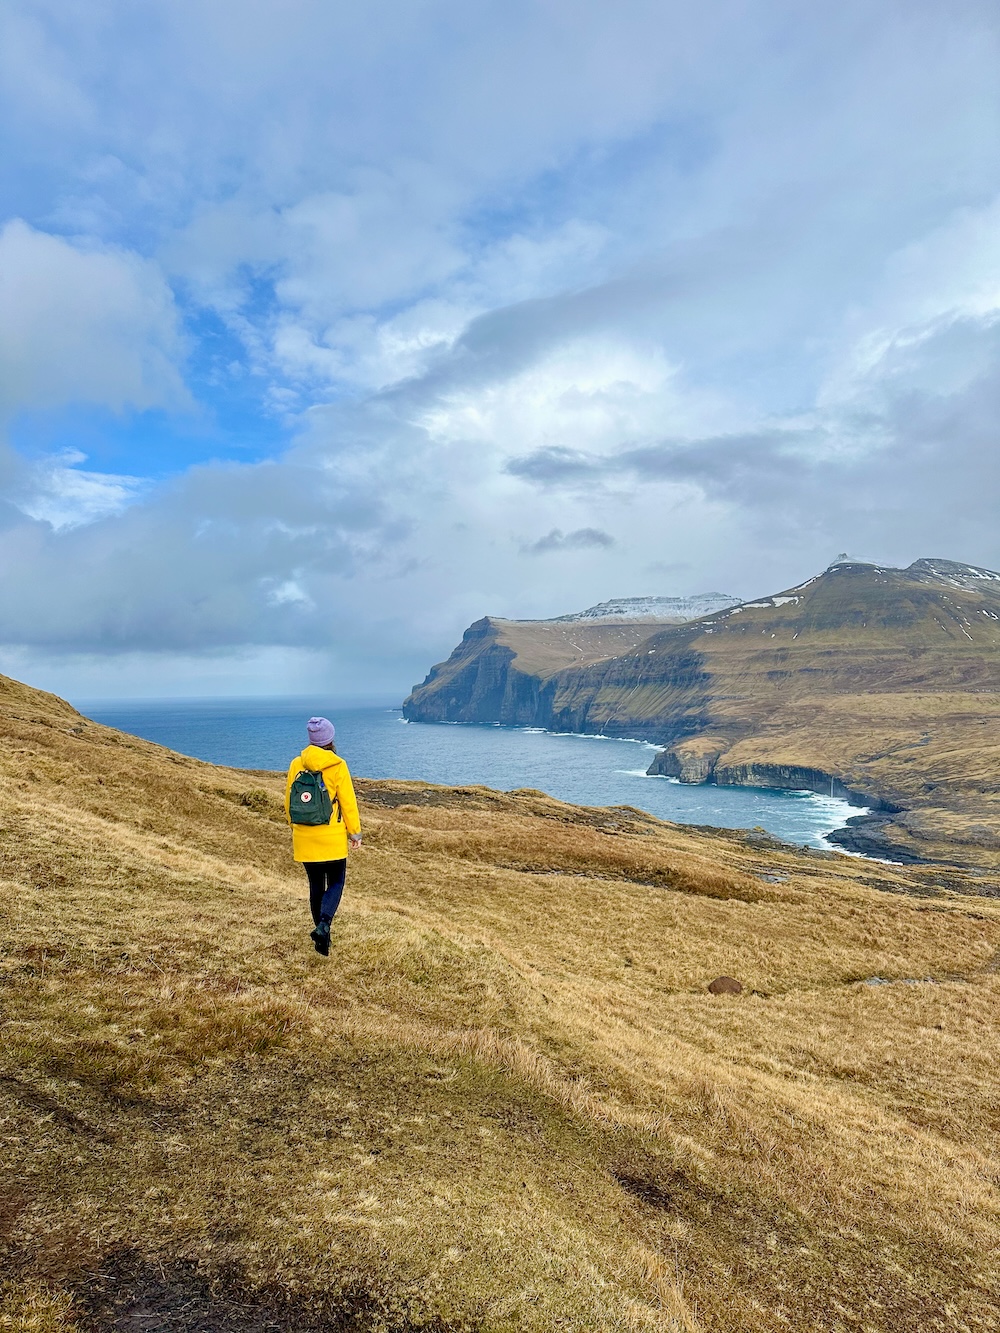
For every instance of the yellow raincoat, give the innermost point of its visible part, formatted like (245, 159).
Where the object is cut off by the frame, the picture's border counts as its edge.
(324, 842)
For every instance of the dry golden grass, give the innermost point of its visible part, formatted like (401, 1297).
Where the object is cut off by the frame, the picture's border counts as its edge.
(937, 755)
(543, 647)
(506, 1100)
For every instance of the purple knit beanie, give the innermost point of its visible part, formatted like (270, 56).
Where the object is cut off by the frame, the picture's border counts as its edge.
(321, 731)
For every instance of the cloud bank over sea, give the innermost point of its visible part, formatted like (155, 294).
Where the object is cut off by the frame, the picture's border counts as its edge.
(327, 328)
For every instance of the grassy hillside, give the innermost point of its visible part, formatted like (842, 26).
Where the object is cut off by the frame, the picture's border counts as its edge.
(543, 647)
(506, 1100)
(886, 679)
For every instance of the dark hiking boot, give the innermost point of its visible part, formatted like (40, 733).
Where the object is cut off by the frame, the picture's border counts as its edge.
(321, 937)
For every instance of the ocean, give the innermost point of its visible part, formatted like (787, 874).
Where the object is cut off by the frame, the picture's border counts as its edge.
(378, 743)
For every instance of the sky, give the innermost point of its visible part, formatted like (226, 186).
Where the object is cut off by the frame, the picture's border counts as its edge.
(327, 328)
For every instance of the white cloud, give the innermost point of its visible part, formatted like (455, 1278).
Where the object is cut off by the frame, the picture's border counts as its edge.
(59, 492)
(83, 325)
(929, 322)
(725, 277)
(288, 592)
(590, 392)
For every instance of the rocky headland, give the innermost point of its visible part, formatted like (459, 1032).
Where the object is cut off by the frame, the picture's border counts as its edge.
(876, 684)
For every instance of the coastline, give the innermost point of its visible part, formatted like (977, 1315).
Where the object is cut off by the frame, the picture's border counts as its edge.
(501, 757)
(860, 835)
(866, 835)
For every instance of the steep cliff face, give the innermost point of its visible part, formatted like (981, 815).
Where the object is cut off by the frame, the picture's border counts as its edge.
(505, 670)
(796, 777)
(633, 696)
(471, 685)
(691, 761)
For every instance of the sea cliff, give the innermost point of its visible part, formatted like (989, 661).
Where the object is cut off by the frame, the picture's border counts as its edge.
(478, 684)
(881, 684)
(526, 673)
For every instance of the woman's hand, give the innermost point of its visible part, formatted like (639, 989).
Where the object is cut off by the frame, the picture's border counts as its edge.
(355, 840)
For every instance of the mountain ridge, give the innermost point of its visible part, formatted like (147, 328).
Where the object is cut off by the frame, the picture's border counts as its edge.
(884, 680)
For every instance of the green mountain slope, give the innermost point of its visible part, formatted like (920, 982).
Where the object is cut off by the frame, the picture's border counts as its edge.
(884, 682)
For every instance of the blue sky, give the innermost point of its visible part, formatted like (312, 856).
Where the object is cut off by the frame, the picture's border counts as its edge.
(318, 319)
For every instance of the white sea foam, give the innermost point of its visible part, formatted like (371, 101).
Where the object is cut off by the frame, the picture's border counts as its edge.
(595, 736)
(833, 812)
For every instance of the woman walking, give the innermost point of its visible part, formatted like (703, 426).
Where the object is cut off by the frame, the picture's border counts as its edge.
(323, 811)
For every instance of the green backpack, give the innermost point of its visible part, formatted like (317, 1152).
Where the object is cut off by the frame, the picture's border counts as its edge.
(309, 801)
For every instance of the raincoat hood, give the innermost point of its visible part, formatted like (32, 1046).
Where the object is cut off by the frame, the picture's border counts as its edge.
(318, 760)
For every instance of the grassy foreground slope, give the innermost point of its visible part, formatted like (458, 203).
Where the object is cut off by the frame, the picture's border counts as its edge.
(506, 1100)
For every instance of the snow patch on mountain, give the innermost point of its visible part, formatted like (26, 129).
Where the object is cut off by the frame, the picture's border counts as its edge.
(678, 609)
(959, 575)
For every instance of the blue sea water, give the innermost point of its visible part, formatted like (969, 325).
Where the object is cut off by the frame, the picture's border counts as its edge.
(378, 743)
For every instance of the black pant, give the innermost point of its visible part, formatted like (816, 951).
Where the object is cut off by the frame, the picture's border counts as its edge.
(326, 884)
